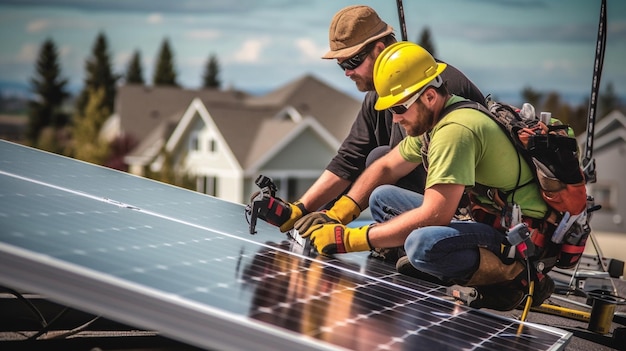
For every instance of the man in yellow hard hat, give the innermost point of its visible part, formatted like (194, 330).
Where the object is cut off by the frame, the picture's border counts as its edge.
(462, 147)
(357, 35)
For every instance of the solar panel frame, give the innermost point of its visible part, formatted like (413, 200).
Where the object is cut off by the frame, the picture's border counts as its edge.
(113, 290)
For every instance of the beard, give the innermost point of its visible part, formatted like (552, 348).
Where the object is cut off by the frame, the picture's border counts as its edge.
(423, 123)
(363, 84)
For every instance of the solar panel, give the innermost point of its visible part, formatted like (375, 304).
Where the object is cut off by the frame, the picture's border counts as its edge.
(182, 263)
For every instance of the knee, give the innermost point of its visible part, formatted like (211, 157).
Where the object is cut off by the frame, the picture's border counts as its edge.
(376, 153)
(413, 245)
(378, 203)
(417, 245)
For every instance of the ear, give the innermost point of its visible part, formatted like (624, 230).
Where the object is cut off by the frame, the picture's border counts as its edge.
(378, 48)
(430, 96)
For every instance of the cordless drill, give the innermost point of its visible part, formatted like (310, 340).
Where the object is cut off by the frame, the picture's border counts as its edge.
(266, 206)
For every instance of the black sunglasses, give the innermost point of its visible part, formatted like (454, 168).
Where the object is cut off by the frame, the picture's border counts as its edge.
(356, 60)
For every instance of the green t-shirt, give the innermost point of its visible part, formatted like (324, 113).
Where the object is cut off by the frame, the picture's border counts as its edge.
(467, 147)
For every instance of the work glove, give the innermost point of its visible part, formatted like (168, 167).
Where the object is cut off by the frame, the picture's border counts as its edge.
(297, 211)
(344, 211)
(278, 212)
(329, 239)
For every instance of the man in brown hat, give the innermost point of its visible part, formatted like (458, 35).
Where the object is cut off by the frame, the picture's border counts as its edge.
(357, 35)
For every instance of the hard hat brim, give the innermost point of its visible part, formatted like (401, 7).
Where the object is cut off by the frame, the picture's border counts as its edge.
(387, 101)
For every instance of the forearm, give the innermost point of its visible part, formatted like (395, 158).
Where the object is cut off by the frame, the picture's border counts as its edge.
(437, 209)
(394, 232)
(327, 187)
(386, 170)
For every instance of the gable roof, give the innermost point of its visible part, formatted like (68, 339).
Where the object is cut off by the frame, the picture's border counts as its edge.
(143, 108)
(251, 126)
(310, 96)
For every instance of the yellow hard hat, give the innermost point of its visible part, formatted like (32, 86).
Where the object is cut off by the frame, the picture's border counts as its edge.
(402, 69)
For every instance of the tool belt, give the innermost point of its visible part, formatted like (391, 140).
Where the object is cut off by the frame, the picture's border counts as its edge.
(541, 230)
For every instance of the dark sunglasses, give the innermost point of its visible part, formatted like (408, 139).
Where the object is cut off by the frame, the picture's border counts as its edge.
(356, 60)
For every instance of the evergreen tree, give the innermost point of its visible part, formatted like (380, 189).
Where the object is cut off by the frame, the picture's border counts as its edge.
(532, 97)
(134, 73)
(170, 173)
(49, 88)
(210, 79)
(425, 40)
(164, 73)
(86, 143)
(578, 118)
(607, 101)
(99, 74)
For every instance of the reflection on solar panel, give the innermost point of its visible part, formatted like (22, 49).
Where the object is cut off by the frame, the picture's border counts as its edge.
(182, 263)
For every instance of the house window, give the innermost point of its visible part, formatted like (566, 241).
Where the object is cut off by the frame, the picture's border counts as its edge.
(211, 186)
(605, 195)
(207, 185)
(292, 189)
(194, 142)
(212, 145)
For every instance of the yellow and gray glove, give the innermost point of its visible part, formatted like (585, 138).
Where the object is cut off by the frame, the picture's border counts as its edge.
(329, 239)
(297, 211)
(344, 211)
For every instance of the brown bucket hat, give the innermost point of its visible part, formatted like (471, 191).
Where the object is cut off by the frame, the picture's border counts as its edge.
(352, 28)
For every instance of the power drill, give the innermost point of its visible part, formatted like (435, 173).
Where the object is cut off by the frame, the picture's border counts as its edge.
(266, 206)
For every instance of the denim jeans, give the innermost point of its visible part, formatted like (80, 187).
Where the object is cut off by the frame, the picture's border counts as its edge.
(447, 252)
(413, 181)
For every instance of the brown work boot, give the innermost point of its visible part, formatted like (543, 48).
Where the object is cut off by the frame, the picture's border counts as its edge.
(404, 266)
(505, 297)
(503, 287)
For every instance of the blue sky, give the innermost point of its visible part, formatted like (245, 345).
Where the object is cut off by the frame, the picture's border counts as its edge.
(502, 45)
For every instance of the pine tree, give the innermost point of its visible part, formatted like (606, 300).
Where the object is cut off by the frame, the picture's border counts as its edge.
(49, 88)
(164, 73)
(134, 73)
(607, 101)
(425, 41)
(210, 79)
(99, 74)
(86, 143)
(531, 96)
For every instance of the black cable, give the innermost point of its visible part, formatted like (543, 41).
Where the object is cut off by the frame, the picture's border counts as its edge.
(30, 305)
(588, 162)
(47, 327)
(402, 20)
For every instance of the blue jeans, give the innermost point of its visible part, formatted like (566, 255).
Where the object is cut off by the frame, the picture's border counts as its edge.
(413, 181)
(450, 252)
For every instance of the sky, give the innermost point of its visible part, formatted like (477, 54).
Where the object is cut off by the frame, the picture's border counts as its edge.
(501, 45)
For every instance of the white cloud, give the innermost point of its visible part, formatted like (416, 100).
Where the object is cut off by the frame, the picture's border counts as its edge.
(155, 18)
(39, 25)
(250, 51)
(308, 50)
(28, 53)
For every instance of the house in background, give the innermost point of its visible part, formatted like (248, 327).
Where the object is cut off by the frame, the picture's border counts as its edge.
(609, 151)
(225, 139)
(609, 223)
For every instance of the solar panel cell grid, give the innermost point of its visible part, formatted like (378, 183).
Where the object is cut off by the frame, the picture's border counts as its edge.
(187, 257)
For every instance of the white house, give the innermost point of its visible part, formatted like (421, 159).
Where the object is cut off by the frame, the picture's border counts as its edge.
(225, 139)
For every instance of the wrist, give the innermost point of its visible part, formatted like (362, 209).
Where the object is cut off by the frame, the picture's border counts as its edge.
(301, 206)
(345, 209)
(361, 242)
